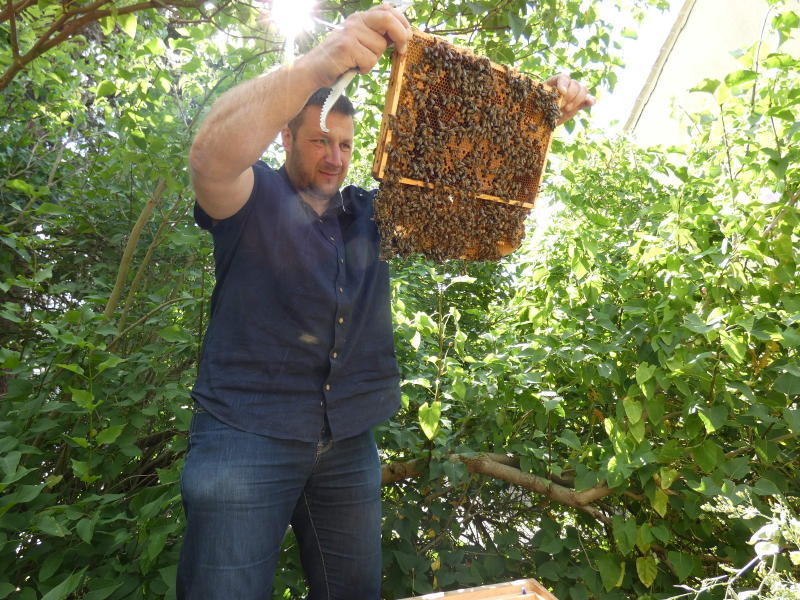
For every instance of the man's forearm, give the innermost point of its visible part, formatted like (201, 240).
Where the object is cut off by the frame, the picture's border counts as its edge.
(245, 119)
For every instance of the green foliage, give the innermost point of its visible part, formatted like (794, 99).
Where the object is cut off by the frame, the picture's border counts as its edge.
(776, 545)
(642, 348)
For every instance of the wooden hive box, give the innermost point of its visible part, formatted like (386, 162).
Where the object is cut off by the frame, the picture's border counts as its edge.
(522, 588)
(461, 152)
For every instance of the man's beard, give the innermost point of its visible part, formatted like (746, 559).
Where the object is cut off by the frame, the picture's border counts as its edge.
(304, 182)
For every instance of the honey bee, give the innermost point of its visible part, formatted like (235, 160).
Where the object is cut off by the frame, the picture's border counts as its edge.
(462, 128)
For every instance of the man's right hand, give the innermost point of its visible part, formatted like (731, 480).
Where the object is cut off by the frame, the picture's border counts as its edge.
(358, 43)
(245, 119)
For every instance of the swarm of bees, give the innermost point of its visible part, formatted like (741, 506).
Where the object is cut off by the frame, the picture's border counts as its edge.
(461, 154)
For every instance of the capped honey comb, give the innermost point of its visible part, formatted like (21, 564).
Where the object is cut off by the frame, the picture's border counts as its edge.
(461, 152)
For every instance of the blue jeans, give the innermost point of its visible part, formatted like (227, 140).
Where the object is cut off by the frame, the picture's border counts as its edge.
(240, 493)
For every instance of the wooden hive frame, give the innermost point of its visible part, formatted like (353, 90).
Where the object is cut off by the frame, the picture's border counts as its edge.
(528, 589)
(532, 125)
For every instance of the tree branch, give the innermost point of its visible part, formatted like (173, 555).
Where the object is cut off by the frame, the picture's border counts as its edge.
(137, 278)
(70, 23)
(12, 34)
(133, 239)
(499, 467)
(746, 449)
(398, 471)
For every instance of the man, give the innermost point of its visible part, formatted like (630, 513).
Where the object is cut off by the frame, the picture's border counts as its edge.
(298, 361)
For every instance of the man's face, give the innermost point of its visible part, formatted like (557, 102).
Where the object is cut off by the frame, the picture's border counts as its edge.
(317, 162)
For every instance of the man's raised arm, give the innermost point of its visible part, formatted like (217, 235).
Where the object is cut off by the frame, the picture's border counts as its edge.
(244, 120)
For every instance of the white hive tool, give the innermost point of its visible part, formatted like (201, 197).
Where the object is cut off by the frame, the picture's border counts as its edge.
(345, 79)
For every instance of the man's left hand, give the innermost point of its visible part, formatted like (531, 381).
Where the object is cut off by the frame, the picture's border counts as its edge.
(574, 96)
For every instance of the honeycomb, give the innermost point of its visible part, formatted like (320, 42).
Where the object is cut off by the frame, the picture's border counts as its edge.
(461, 151)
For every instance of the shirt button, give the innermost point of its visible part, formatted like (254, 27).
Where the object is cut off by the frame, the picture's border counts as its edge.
(341, 260)
(341, 320)
(334, 355)
(333, 238)
(341, 290)
(328, 386)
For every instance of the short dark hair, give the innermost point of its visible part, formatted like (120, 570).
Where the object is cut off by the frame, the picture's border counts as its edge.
(342, 105)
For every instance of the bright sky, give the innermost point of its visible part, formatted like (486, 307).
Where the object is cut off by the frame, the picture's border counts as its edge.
(639, 55)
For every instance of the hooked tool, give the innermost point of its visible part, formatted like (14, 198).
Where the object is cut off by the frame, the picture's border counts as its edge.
(344, 80)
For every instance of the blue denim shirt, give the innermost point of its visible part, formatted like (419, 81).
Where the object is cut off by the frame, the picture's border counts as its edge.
(300, 316)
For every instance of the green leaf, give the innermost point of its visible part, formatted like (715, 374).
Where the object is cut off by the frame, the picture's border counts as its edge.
(49, 525)
(107, 25)
(655, 408)
(713, 417)
(765, 487)
(72, 367)
(421, 381)
(425, 323)
(647, 570)
(9, 359)
(707, 455)
(416, 339)
(50, 208)
(612, 572)
(644, 538)
(735, 347)
(81, 441)
(43, 274)
(173, 333)
(739, 77)
(633, 409)
(570, 438)
(660, 502)
(791, 338)
(668, 477)
(109, 363)
(624, 533)
(83, 471)
(26, 493)
(109, 434)
(156, 47)
(20, 185)
(66, 587)
(696, 324)
(85, 529)
(84, 399)
(550, 400)
(637, 430)
(429, 418)
(745, 390)
(50, 566)
(106, 88)
(127, 23)
(6, 588)
(792, 418)
(787, 21)
(516, 23)
(683, 564)
(707, 85)
(9, 462)
(459, 390)
(644, 372)
(101, 593)
(788, 384)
